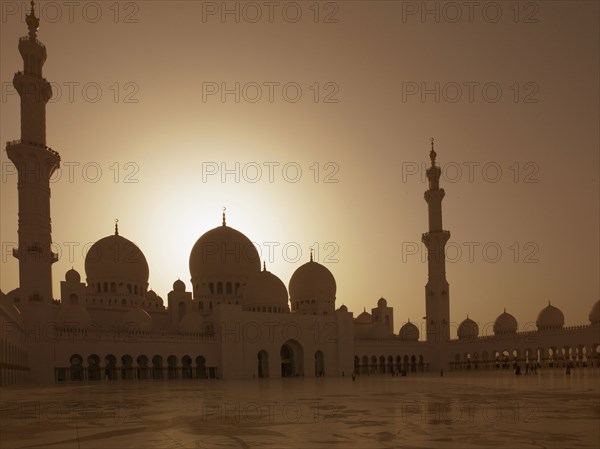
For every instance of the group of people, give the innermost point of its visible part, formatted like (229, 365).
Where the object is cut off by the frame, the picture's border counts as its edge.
(529, 369)
(532, 369)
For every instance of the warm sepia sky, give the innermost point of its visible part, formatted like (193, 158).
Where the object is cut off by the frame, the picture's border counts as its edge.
(529, 108)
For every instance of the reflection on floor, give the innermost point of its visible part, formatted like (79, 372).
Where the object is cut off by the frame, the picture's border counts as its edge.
(551, 409)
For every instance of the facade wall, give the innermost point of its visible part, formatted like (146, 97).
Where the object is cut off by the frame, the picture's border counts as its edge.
(13, 354)
(391, 356)
(577, 345)
(322, 345)
(135, 356)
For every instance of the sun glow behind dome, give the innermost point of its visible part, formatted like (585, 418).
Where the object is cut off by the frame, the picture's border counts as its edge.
(370, 133)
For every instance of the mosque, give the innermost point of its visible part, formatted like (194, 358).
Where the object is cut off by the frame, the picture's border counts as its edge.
(236, 320)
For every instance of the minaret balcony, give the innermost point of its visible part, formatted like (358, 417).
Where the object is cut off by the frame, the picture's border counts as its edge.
(27, 38)
(20, 73)
(437, 194)
(32, 86)
(16, 143)
(435, 238)
(53, 257)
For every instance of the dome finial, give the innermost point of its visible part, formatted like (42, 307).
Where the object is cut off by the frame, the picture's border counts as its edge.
(224, 222)
(432, 153)
(33, 23)
(264, 266)
(505, 310)
(116, 226)
(311, 257)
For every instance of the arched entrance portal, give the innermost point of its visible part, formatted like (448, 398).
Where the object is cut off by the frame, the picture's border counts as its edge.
(319, 364)
(263, 364)
(291, 359)
(76, 367)
(93, 367)
(200, 367)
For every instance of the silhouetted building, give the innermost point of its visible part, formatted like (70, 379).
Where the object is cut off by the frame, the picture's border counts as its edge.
(237, 320)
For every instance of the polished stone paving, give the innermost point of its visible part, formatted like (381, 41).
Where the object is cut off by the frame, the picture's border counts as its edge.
(460, 410)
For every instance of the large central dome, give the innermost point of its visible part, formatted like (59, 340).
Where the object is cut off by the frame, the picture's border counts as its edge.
(223, 254)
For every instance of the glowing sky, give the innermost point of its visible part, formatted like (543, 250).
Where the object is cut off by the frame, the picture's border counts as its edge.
(516, 93)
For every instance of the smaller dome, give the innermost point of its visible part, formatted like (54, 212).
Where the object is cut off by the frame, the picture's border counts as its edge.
(363, 324)
(72, 276)
(179, 286)
(409, 332)
(151, 295)
(312, 281)
(266, 289)
(382, 302)
(73, 316)
(595, 313)
(191, 323)
(136, 320)
(550, 317)
(364, 318)
(343, 308)
(468, 329)
(505, 324)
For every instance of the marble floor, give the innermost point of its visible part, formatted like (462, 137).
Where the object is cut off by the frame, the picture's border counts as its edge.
(459, 410)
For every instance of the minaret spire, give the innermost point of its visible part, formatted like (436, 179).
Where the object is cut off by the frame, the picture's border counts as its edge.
(437, 301)
(32, 22)
(432, 154)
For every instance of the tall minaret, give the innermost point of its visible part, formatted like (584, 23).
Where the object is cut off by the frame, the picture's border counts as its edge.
(437, 294)
(35, 163)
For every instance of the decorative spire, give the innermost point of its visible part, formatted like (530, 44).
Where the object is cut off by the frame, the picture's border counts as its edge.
(32, 22)
(116, 223)
(224, 222)
(311, 258)
(505, 310)
(432, 154)
(264, 266)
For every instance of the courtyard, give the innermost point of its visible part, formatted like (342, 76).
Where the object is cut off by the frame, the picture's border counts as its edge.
(460, 410)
